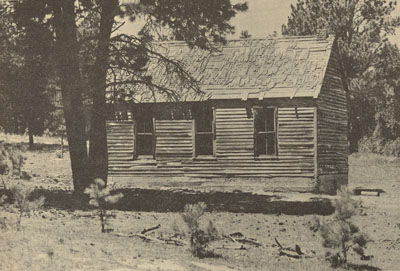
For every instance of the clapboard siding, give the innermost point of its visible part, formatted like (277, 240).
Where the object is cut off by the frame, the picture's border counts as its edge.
(234, 133)
(296, 132)
(332, 123)
(120, 145)
(174, 139)
(234, 148)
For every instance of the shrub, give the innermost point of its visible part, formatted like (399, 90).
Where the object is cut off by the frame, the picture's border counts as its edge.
(101, 199)
(5, 163)
(199, 239)
(375, 145)
(341, 234)
(11, 162)
(392, 148)
(59, 155)
(22, 202)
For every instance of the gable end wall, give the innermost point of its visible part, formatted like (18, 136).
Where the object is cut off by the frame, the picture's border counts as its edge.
(332, 122)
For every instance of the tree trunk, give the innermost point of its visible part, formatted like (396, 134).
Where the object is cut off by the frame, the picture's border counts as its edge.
(62, 145)
(30, 124)
(71, 89)
(98, 157)
(30, 138)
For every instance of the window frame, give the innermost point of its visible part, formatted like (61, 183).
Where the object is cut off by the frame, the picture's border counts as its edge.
(195, 112)
(263, 109)
(136, 120)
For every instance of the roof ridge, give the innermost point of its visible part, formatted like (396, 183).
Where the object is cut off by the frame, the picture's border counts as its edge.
(285, 37)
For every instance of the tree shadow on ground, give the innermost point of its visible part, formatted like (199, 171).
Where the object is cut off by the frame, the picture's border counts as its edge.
(363, 267)
(153, 200)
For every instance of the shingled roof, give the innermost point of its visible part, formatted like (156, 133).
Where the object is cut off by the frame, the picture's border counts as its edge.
(285, 67)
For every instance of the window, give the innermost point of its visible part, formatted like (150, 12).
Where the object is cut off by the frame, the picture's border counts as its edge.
(204, 130)
(144, 132)
(265, 131)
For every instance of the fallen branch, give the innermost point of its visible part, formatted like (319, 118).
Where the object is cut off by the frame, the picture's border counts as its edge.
(169, 241)
(174, 241)
(141, 236)
(240, 246)
(291, 255)
(250, 241)
(239, 238)
(295, 253)
(144, 231)
(279, 244)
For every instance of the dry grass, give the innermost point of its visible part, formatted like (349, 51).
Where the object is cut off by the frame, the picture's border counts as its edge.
(373, 170)
(13, 138)
(62, 239)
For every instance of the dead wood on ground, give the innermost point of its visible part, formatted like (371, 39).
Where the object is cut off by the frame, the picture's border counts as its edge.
(295, 253)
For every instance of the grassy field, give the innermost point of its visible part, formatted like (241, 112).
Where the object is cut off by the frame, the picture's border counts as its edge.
(68, 237)
(13, 138)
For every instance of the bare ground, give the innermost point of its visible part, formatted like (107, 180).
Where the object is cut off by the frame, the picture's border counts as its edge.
(65, 235)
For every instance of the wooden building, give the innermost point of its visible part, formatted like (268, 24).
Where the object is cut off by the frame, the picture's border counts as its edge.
(274, 111)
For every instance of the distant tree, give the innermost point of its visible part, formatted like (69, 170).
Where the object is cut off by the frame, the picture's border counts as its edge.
(244, 34)
(10, 66)
(26, 47)
(35, 43)
(361, 29)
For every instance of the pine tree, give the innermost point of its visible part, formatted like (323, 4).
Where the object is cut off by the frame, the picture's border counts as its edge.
(362, 29)
(198, 23)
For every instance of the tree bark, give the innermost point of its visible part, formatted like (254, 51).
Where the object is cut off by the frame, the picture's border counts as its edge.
(98, 157)
(31, 142)
(71, 89)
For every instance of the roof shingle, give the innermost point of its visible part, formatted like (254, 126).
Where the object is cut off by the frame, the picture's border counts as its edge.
(260, 68)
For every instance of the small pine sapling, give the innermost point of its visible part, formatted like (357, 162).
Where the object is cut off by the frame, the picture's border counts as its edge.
(11, 162)
(101, 199)
(3, 172)
(22, 202)
(17, 162)
(3, 223)
(341, 235)
(199, 239)
(5, 164)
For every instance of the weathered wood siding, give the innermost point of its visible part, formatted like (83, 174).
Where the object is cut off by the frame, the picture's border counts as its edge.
(120, 145)
(332, 126)
(296, 135)
(174, 139)
(234, 133)
(234, 149)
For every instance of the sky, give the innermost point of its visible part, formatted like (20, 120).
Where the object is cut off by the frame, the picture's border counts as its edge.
(263, 18)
